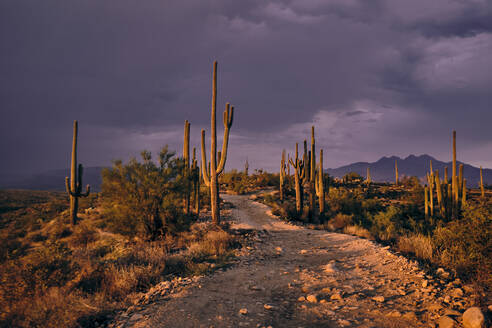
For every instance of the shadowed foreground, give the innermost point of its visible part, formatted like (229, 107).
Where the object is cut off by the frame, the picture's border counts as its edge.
(296, 277)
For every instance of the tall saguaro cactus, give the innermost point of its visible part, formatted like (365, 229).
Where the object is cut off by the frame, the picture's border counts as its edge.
(74, 184)
(195, 179)
(211, 179)
(186, 169)
(312, 175)
(282, 174)
(454, 178)
(482, 189)
(320, 186)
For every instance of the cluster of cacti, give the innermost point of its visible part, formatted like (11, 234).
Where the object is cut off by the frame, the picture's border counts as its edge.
(210, 176)
(307, 176)
(74, 184)
(450, 196)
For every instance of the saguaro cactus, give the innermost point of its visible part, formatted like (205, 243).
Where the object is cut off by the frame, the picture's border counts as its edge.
(482, 189)
(282, 175)
(195, 178)
(246, 167)
(368, 176)
(320, 186)
(454, 178)
(299, 174)
(463, 192)
(186, 169)
(430, 179)
(426, 201)
(396, 173)
(74, 184)
(439, 193)
(312, 175)
(211, 180)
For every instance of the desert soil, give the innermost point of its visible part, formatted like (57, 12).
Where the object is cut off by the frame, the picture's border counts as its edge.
(291, 276)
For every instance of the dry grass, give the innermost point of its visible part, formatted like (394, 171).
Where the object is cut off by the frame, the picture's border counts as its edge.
(77, 276)
(418, 245)
(358, 231)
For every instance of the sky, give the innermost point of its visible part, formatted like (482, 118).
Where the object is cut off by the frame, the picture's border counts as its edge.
(375, 78)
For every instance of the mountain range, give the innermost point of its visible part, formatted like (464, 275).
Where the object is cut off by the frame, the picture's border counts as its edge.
(382, 170)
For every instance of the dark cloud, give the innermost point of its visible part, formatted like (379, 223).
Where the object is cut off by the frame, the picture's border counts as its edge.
(375, 78)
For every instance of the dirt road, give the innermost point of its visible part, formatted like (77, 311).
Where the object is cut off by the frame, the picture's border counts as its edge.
(296, 277)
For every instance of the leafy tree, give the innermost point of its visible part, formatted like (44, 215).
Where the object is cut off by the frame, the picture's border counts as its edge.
(145, 197)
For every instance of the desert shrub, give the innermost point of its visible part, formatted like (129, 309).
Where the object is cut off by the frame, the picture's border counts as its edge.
(142, 197)
(386, 224)
(340, 221)
(83, 234)
(357, 231)
(466, 244)
(48, 266)
(416, 244)
(215, 243)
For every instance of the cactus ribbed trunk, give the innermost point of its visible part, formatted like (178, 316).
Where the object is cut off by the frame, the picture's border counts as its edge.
(210, 177)
(195, 178)
(320, 187)
(426, 201)
(463, 192)
(187, 173)
(282, 176)
(439, 193)
(482, 189)
(74, 184)
(454, 179)
(446, 178)
(312, 175)
(74, 201)
(431, 193)
(298, 177)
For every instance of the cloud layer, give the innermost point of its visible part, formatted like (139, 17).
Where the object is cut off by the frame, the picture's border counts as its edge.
(375, 78)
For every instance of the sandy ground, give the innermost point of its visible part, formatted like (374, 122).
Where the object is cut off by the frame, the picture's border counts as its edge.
(295, 277)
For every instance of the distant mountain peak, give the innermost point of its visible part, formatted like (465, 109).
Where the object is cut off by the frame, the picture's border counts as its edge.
(383, 170)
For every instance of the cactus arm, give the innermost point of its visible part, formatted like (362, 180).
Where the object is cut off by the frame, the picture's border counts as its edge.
(87, 191)
(205, 175)
(67, 186)
(228, 118)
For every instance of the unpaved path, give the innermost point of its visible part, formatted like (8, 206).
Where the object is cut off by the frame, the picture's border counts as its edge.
(356, 283)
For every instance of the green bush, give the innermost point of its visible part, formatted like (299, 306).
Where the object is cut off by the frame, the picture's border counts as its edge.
(144, 198)
(466, 244)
